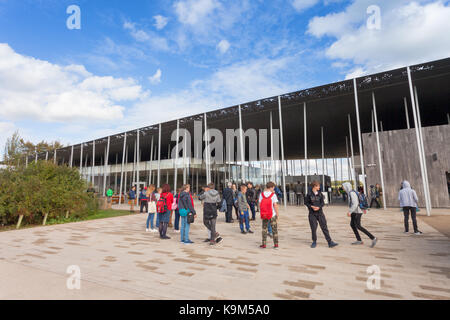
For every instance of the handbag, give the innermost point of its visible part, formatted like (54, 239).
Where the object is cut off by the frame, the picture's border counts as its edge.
(183, 212)
(152, 207)
(190, 217)
(174, 206)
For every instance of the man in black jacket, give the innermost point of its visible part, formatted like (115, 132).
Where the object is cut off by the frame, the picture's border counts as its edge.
(314, 201)
(228, 197)
(251, 199)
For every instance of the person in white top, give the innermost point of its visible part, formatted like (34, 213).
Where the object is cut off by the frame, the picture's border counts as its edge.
(268, 204)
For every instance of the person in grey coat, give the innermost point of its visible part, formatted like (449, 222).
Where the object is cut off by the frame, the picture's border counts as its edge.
(408, 201)
(211, 200)
(355, 212)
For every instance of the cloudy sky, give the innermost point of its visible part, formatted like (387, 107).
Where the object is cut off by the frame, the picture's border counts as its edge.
(142, 62)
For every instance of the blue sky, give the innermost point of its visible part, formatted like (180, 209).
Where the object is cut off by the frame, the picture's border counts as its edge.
(135, 63)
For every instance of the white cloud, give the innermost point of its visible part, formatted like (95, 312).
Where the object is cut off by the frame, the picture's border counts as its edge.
(32, 89)
(223, 46)
(411, 32)
(301, 5)
(156, 78)
(149, 37)
(191, 12)
(160, 22)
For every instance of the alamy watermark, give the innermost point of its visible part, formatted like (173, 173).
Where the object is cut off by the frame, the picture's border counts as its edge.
(374, 19)
(74, 20)
(74, 280)
(374, 280)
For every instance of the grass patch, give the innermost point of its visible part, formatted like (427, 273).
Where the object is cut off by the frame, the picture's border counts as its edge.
(100, 214)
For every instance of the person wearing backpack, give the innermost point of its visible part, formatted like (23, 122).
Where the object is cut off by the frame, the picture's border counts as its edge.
(408, 201)
(185, 206)
(314, 201)
(211, 201)
(268, 206)
(164, 207)
(143, 200)
(151, 208)
(357, 206)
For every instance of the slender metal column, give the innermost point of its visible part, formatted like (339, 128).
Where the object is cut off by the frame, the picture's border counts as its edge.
(106, 166)
(207, 163)
(81, 158)
(46, 156)
(373, 125)
(184, 158)
(271, 149)
(54, 157)
(349, 175)
(361, 152)
(175, 172)
(353, 155)
(406, 113)
(93, 163)
(159, 157)
(283, 169)
(306, 148)
(241, 139)
(125, 188)
(380, 160)
(122, 167)
(323, 160)
(71, 157)
(138, 159)
(150, 181)
(115, 174)
(416, 126)
(36, 155)
(419, 121)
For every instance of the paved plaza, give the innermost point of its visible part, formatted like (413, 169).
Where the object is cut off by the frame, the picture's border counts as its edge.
(119, 260)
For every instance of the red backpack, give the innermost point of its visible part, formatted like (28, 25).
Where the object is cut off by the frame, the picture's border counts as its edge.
(266, 206)
(161, 205)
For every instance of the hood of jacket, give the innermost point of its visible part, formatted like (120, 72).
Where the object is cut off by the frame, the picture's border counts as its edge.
(347, 187)
(405, 184)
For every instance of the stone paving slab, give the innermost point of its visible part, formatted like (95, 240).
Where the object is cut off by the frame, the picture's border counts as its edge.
(119, 260)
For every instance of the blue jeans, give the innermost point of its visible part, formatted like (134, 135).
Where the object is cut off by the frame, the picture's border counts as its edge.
(177, 220)
(243, 217)
(269, 227)
(150, 218)
(158, 215)
(185, 226)
(252, 208)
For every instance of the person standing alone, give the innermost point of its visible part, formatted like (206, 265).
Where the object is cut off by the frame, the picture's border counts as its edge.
(315, 202)
(408, 201)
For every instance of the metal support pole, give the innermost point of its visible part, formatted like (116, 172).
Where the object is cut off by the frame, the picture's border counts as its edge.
(150, 181)
(159, 158)
(416, 126)
(93, 163)
(46, 156)
(138, 159)
(71, 157)
(122, 167)
(115, 174)
(207, 160)
(54, 157)
(419, 121)
(306, 148)
(106, 166)
(406, 112)
(36, 155)
(271, 149)
(175, 172)
(81, 158)
(184, 158)
(361, 152)
(352, 154)
(241, 139)
(323, 160)
(283, 169)
(380, 160)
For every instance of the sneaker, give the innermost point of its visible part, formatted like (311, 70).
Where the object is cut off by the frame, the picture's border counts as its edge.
(166, 237)
(418, 232)
(243, 232)
(405, 231)
(177, 231)
(219, 240)
(182, 241)
(374, 242)
(313, 245)
(249, 231)
(357, 242)
(211, 243)
(147, 230)
(332, 244)
(263, 246)
(188, 242)
(275, 246)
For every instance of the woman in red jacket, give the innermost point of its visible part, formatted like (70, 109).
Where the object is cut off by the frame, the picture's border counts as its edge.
(164, 217)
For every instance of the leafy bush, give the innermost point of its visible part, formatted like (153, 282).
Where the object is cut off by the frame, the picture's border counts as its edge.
(40, 189)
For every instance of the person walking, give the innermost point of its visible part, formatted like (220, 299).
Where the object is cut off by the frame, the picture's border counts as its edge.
(228, 197)
(408, 202)
(356, 210)
(164, 206)
(298, 193)
(243, 210)
(374, 196)
(185, 206)
(132, 198)
(151, 208)
(211, 200)
(268, 204)
(251, 199)
(143, 200)
(314, 201)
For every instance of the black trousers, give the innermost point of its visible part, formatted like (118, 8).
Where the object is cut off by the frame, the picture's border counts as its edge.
(236, 210)
(406, 211)
(229, 213)
(355, 223)
(163, 229)
(144, 204)
(376, 201)
(315, 219)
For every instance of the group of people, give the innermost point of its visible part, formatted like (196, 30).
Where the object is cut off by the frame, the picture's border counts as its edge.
(246, 201)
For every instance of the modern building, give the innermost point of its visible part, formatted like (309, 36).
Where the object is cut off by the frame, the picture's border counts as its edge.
(400, 116)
